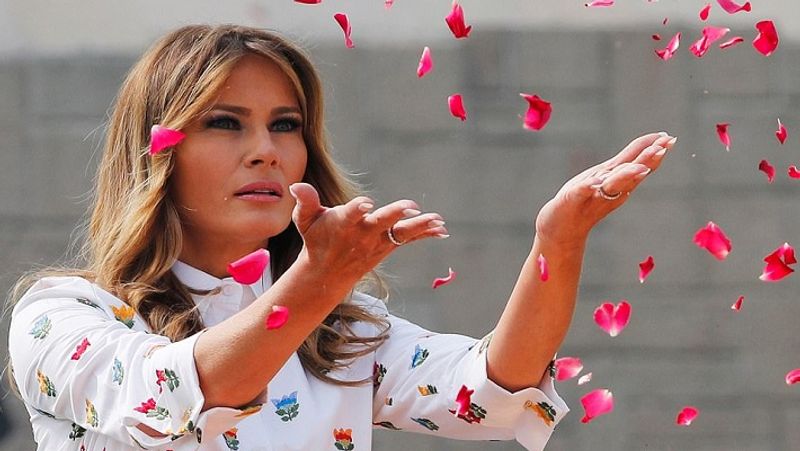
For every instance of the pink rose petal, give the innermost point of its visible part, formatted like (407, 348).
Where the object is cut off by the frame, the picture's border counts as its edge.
(439, 281)
(249, 268)
(455, 20)
(794, 172)
(595, 403)
(538, 113)
(567, 368)
(724, 137)
(793, 377)
(713, 239)
(664, 22)
(768, 169)
(778, 262)
(710, 35)
(344, 22)
(731, 8)
(544, 273)
(704, 12)
(309, 2)
(781, 133)
(425, 63)
(388, 3)
(731, 42)
(586, 378)
(667, 52)
(163, 137)
(656, 37)
(278, 317)
(738, 304)
(463, 399)
(767, 40)
(613, 318)
(599, 3)
(686, 416)
(456, 104)
(645, 267)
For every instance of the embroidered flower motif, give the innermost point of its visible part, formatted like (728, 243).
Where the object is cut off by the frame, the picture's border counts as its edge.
(77, 432)
(485, 343)
(551, 369)
(387, 425)
(80, 349)
(287, 406)
(475, 414)
(428, 424)
(117, 373)
(231, 441)
(378, 372)
(343, 439)
(388, 401)
(91, 414)
(168, 376)
(188, 425)
(41, 327)
(420, 354)
(427, 390)
(150, 408)
(545, 411)
(85, 301)
(249, 410)
(124, 314)
(45, 385)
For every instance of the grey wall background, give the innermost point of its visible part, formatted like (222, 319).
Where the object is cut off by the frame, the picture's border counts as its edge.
(489, 177)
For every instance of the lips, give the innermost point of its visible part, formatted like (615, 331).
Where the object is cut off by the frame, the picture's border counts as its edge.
(262, 187)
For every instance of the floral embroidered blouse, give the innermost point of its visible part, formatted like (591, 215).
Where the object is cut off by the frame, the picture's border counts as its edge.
(90, 371)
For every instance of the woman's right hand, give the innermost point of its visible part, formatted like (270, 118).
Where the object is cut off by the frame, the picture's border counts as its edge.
(350, 240)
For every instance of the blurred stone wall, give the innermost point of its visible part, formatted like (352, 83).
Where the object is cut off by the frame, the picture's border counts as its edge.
(488, 177)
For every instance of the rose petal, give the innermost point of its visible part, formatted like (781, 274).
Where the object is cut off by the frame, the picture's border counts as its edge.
(249, 268)
(344, 22)
(704, 12)
(599, 3)
(456, 104)
(781, 133)
(544, 273)
(656, 37)
(586, 378)
(455, 20)
(425, 63)
(738, 304)
(793, 377)
(768, 169)
(724, 137)
(731, 42)
(538, 113)
(731, 8)
(778, 262)
(767, 39)
(388, 3)
(463, 399)
(664, 22)
(163, 137)
(278, 317)
(439, 281)
(645, 267)
(595, 403)
(567, 368)
(613, 318)
(794, 172)
(686, 416)
(713, 239)
(672, 47)
(308, 2)
(710, 35)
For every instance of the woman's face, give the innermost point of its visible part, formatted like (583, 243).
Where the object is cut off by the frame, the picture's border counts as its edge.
(233, 169)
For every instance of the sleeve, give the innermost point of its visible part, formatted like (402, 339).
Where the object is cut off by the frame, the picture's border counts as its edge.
(437, 384)
(77, 356)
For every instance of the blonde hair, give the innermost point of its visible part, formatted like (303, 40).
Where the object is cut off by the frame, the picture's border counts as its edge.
(133, 234)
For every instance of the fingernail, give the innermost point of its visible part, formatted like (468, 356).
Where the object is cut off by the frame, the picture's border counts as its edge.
(660, 153)
(663, 134)
(365, 206)
(408, 212)
(642, 174)
(672, 142)
(435, 223)
(442, 236)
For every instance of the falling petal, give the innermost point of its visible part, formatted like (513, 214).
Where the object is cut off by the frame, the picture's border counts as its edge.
(308, 2)
(463, 399)
(767, 40)
(686, 416)
(724, 137)
(613, 318)
(425, 63)
(544, 273)
(672, 47)
(738, 304)
(768, 169)
(278, 317)
(586, 378)
(595, 403)
(656, 37)
(567, 368)
(645, 267)
(344, 22)
(439, 281)
(249, 268)
(455, 20)
(731, 42)
(710, 35)
(456, 104)
(793, 377)
(163, 137)
(713, 239)
(778, 262)
(732, 8)
(664, 22)
(538, 113)
(794, 172)
(704, 12)
(599, 3)
(388, 3)
(781, 133)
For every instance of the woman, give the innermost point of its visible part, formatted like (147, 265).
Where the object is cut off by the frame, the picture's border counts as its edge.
(153, 345)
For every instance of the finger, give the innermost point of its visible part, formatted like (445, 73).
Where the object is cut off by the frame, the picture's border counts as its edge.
(632, 150)
(355, 210)
(385, 217)
(623, 179)
(307, 207)
(406, 230)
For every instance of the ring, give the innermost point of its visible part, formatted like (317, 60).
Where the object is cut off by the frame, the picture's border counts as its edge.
(392, 238)
(607, 196)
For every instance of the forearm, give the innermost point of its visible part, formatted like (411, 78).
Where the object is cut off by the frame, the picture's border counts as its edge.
(536, 318)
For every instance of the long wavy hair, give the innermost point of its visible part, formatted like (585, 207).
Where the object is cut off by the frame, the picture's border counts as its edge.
(132, 234)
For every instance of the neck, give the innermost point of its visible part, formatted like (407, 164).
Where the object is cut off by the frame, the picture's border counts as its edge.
(213, 256)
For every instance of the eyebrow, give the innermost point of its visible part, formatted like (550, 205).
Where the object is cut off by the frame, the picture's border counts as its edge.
(246, 111)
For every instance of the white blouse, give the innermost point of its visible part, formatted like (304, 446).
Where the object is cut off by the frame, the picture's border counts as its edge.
(89, 371)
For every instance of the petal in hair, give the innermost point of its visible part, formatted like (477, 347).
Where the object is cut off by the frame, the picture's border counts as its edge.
(595, 403)
(732, 8)
(455, 20)
(781, 133)
(731, 42)
(425, 63)
(724, 137)
(439, 281)
(538, 113)
(278, 317)
(613, 318)
(544, 273)
(456, 104)
(645, 268)
(713, 239)
(567, 368)
(778, 262)
(163, 137)
(344, 22)
(249, 268)
(686, 416)
(767, 40)
(672, 47)
(738, 304)
(768, 169)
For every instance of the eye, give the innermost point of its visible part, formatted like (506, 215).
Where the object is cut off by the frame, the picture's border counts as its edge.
(286, 124)
(224, 122)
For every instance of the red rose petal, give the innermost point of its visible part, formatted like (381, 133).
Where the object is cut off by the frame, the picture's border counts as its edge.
(731, 42)
(781, 133)
(425, 63)
(439, 281)
(455, 20)
(278, 317)
(667, 52)
(710, 35)
(586, 378)
(704, 12)
(767, 40)
(778, 262)
(768, 169)
(544, 273)
(309, 2)
(538, 113)
(595, 403)
(249, 268)
(163, 137)
(656, 37)
(738, 304)
(713, 239)
(731, 8)
(664, 22)
(344, 22)
(388, 3)
(645, 267)
(724, 137)
(567, 368)
(599, 3)
(613, 318)
(793, 377)
(686, 416)
(794, 172)
(456, 104)
(463, 399)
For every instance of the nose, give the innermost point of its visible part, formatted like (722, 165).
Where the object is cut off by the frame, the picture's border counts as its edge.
(262, 151)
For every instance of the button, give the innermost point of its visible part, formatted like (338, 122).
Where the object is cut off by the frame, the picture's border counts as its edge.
(230, 290)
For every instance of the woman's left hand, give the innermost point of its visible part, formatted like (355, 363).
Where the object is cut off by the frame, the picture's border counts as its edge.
(567, 219)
